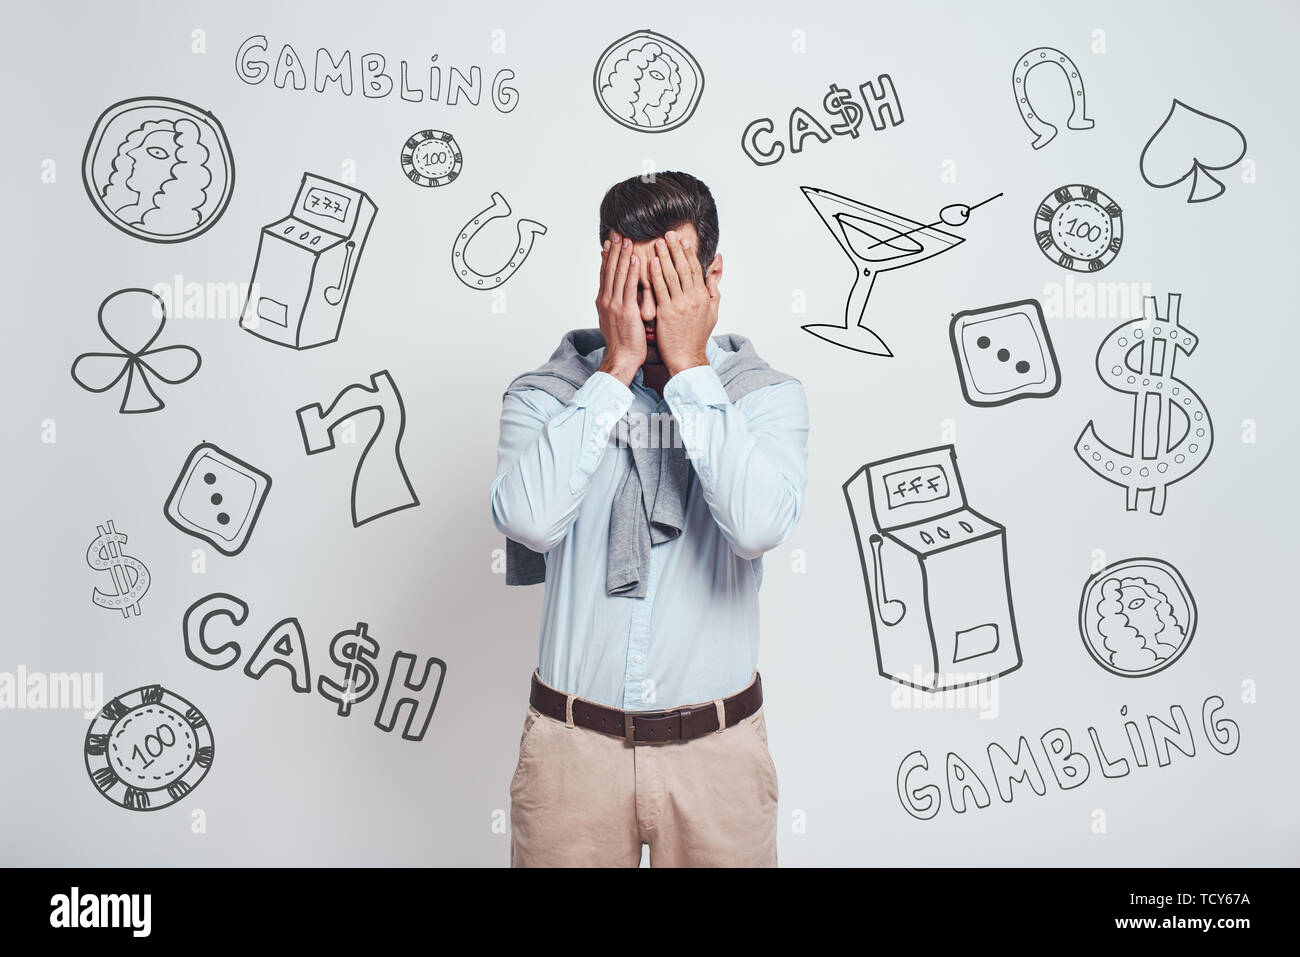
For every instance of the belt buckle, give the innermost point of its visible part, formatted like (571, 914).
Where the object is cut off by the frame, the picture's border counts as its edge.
(629, 725)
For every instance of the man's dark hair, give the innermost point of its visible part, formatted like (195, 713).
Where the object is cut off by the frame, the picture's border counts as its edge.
(645, 208)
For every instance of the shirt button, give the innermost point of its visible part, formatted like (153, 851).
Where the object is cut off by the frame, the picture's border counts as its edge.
(636, 659)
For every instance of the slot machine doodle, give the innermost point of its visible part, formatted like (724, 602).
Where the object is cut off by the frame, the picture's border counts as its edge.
(938, 585)
(306, 264)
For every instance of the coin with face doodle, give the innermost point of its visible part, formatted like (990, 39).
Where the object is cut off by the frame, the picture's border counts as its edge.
(158, 169)
(1137, 617)
(648, 82)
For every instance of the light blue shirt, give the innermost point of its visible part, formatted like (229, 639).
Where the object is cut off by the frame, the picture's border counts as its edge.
(694, 636)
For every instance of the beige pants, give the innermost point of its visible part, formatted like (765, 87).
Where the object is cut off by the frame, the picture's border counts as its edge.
(580, 798)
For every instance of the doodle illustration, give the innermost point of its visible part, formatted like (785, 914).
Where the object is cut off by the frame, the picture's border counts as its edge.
(131, 320)
(877, 241)
(217, 498)
(938, 584)
(380, 485)
(374, 75)
(148, 748)
(647, 82)
(306, 263)
(158, 169)
(355, 652)
(130, 577)
(408, 688)
(1079, 227)
(880, 104)
(1044, 132)
(1004, 353)
(1159, 454)
(1191, 143)
(431, 158)
(526, 230)
(1137, 617)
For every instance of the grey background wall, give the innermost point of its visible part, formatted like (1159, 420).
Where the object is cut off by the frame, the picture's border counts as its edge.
(292, 782)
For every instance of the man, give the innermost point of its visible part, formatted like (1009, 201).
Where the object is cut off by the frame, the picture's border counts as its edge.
(645, 723)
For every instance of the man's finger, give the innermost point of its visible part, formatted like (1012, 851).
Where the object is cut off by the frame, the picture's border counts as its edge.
(610, 265)
(620, 271)
(631, 283)
(604, 262)
(681, 265)
(657, 281)
(672, 283)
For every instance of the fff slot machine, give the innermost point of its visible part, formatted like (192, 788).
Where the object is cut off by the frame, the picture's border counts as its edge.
(936, 574)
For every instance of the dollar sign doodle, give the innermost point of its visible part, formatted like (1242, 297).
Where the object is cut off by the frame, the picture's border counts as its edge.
(840, 103)
(130, 577)
(1155, 460)
(354, 651)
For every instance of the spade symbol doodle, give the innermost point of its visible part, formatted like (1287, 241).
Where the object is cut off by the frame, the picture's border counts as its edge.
(1191, 143)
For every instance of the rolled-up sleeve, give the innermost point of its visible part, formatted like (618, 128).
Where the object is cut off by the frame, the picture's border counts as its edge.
(546, 455)
(751, 456)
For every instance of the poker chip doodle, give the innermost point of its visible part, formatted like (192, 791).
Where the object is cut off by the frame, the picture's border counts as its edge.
(1187, 143)
(648, 82)
(148, 748)
(431, 158)
(217, 498)
(1044, 132)
(1137, 617)
(158, 169)
(1004, 353)
(527, 230)
(1079, 227)
(132, 320)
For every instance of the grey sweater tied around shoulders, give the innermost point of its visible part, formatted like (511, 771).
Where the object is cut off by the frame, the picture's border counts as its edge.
(650, 504)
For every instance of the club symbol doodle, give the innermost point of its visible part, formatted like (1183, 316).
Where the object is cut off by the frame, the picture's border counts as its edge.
(431, 158)
(1158, 455)
(306, 264)
(158, 169)
(877, 241)
(1191, 143)
(1079, 227)
(130, 577)
(527, 231)
(217, 498)
(148, 748)
(647, 82)
(380, 485)
(1137, 617)
(942, 618)
(132, 320)
(1044, 132)
(1004, 353)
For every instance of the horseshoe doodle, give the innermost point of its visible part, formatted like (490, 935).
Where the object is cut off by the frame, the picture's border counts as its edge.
(528, 230)
(1044, 132)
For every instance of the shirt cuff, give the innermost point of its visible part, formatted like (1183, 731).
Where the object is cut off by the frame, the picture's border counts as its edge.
(605, 401)
(602, 391)
(695, 387)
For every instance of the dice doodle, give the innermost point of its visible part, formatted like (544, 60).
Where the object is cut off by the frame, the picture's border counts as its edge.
(1004, 353)
(217, 498)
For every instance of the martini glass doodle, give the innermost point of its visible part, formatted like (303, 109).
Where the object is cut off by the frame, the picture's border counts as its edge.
(877, 241)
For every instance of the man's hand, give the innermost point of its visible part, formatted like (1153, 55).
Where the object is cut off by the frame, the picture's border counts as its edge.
(618, 310)
(686, 304)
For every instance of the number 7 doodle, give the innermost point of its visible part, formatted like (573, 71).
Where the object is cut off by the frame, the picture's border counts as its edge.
(380, 485)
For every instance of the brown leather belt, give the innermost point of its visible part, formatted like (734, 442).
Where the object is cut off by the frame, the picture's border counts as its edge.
(648, 727)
